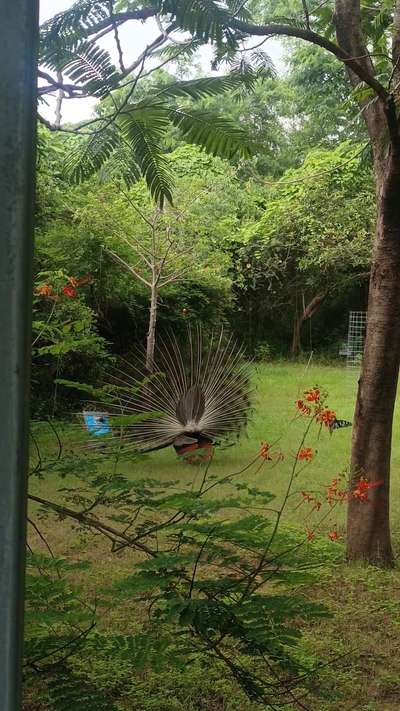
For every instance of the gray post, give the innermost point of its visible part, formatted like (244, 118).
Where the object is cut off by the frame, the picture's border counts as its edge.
(18, 47)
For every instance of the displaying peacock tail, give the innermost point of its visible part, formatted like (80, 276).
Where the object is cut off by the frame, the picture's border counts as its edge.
(197, 394)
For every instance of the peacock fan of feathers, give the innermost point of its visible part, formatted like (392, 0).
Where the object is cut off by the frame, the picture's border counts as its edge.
(196, 396)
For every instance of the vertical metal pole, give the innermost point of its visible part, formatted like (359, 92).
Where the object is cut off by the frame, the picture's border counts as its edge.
(18, 48)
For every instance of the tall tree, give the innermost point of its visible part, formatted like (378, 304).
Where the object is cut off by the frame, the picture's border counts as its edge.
(175, 245)
(368, 43)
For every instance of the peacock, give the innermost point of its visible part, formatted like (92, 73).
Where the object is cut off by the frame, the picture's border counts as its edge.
(198, 394)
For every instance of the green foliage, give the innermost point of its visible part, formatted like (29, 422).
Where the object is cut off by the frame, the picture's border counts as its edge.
(263, 352)
(304, 245)
(217, 578)
(142, 127)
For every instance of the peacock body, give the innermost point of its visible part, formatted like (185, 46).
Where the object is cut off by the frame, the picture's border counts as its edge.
(198, 393)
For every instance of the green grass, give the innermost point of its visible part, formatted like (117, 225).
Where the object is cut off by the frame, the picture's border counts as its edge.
(276, 387)
(362, 639)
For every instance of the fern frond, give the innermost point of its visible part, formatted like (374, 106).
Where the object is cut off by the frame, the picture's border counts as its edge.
(186, 50)
(70, 27)
(207, 86)
(143, 126)
(88, 154)
(215, 135)
(120, 166)
(204, 19)
(68, 691)
(88, 65)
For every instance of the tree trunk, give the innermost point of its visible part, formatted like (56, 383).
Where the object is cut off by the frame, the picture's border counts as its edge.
(307, 312)
(368, 527)
(151, 334)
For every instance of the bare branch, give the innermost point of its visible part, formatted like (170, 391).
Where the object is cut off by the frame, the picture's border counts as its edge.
(92, 522)
(116, 37)
(127, 266)
(60, 96)
(278, 29)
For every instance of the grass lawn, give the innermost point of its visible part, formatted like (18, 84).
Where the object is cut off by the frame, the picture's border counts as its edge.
(362, 640)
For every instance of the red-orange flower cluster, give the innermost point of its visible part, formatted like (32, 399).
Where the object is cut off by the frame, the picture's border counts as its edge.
(363, 486)
(267, 454)
(304, 409)
(44, 290)
(80, 282)
(312, 395)
(69, 291)
(310, 535)
(305, 454)
(326, 417)
(333, 535)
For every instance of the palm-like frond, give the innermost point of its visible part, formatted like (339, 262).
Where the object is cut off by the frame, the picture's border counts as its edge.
(206, 20)
(88, 154)
(69, 27)
(140, 128)
(207, 86)
(214, 134)
(88, 65)
(185, 50)
(143, 126)
(120, 166)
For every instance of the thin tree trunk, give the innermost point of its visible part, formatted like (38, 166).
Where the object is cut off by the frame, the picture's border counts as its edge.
(307, 312)
(151, 334)
(368, 522)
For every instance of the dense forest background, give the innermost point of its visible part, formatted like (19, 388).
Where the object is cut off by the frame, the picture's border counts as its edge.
(275, 257)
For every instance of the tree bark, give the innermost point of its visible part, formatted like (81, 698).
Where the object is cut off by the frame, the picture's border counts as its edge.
(368, 522)
(368, 526)
(308, 311)
(151, 334)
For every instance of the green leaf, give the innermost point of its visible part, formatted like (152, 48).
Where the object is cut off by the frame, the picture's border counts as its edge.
(215, 135)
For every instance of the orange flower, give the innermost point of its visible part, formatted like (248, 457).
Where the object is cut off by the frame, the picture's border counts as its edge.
(310, 535)
(333, 535)
(362, 487)
(312, 395)
(305, 454)
(304, 409)
(265, 451)
(326, 417)
(44, 290)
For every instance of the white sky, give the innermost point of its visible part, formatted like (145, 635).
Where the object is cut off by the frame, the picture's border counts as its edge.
(135, 37)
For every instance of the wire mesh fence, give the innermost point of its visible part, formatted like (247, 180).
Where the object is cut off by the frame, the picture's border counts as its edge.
(356, 338)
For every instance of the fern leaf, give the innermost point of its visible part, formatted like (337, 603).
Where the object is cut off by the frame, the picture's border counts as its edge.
(207, 86)
(214, 134)
(204, 19)
(88, 154)
(88, 65)
(143, 126)
(68, 28)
